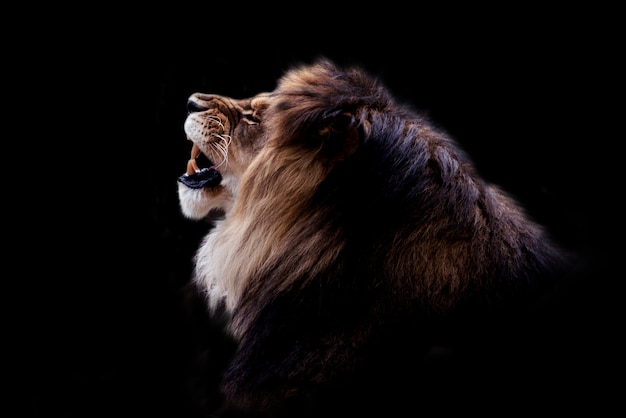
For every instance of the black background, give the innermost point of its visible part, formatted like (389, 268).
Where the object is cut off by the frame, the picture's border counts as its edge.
(102, 319)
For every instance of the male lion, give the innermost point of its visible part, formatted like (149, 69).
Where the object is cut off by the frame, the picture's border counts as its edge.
(353, 231)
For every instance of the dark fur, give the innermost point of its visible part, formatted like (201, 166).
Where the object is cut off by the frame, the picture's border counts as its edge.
(382, 242)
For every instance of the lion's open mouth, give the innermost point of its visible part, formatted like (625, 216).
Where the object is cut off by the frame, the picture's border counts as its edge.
(200, 171)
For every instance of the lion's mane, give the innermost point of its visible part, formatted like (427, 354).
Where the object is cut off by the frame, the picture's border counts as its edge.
(357, 227)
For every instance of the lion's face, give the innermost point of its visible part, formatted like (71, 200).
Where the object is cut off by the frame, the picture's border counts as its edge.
(226, 135)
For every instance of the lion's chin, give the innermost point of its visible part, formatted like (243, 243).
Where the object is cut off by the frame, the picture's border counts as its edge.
(198, 203)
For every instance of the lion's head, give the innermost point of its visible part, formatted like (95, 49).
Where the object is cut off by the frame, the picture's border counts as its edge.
(226, 134)
(346, 214)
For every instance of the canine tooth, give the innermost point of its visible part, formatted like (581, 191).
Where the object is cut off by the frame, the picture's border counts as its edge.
(192, 167)
(195, 152)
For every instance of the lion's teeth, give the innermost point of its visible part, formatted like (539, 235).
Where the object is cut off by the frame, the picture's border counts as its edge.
(192, 167)
(195, 152)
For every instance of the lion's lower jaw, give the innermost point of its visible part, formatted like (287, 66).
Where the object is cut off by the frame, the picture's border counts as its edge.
(197, 203)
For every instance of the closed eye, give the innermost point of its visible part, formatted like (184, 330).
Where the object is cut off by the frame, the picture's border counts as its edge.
(250, 118)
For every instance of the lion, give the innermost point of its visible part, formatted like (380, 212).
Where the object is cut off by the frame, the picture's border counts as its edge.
(353, 228)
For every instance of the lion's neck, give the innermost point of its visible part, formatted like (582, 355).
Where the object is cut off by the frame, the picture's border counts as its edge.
(260, 229)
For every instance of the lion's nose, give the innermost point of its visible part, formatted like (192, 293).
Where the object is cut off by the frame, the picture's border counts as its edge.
(193, 107)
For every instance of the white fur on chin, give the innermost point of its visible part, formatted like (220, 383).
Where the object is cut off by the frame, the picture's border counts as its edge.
(197, 203)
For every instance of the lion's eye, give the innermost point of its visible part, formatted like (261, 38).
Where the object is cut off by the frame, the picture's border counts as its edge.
(250, 118)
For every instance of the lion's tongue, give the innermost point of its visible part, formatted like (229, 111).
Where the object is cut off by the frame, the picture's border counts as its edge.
(197, 178)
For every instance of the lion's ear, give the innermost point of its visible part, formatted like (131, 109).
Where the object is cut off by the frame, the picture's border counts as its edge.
(341, 136)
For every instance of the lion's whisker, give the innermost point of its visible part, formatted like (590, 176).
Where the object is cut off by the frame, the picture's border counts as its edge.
(216, 119)
(222, 147)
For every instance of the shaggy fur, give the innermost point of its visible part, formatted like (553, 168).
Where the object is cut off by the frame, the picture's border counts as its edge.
(353, 231)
